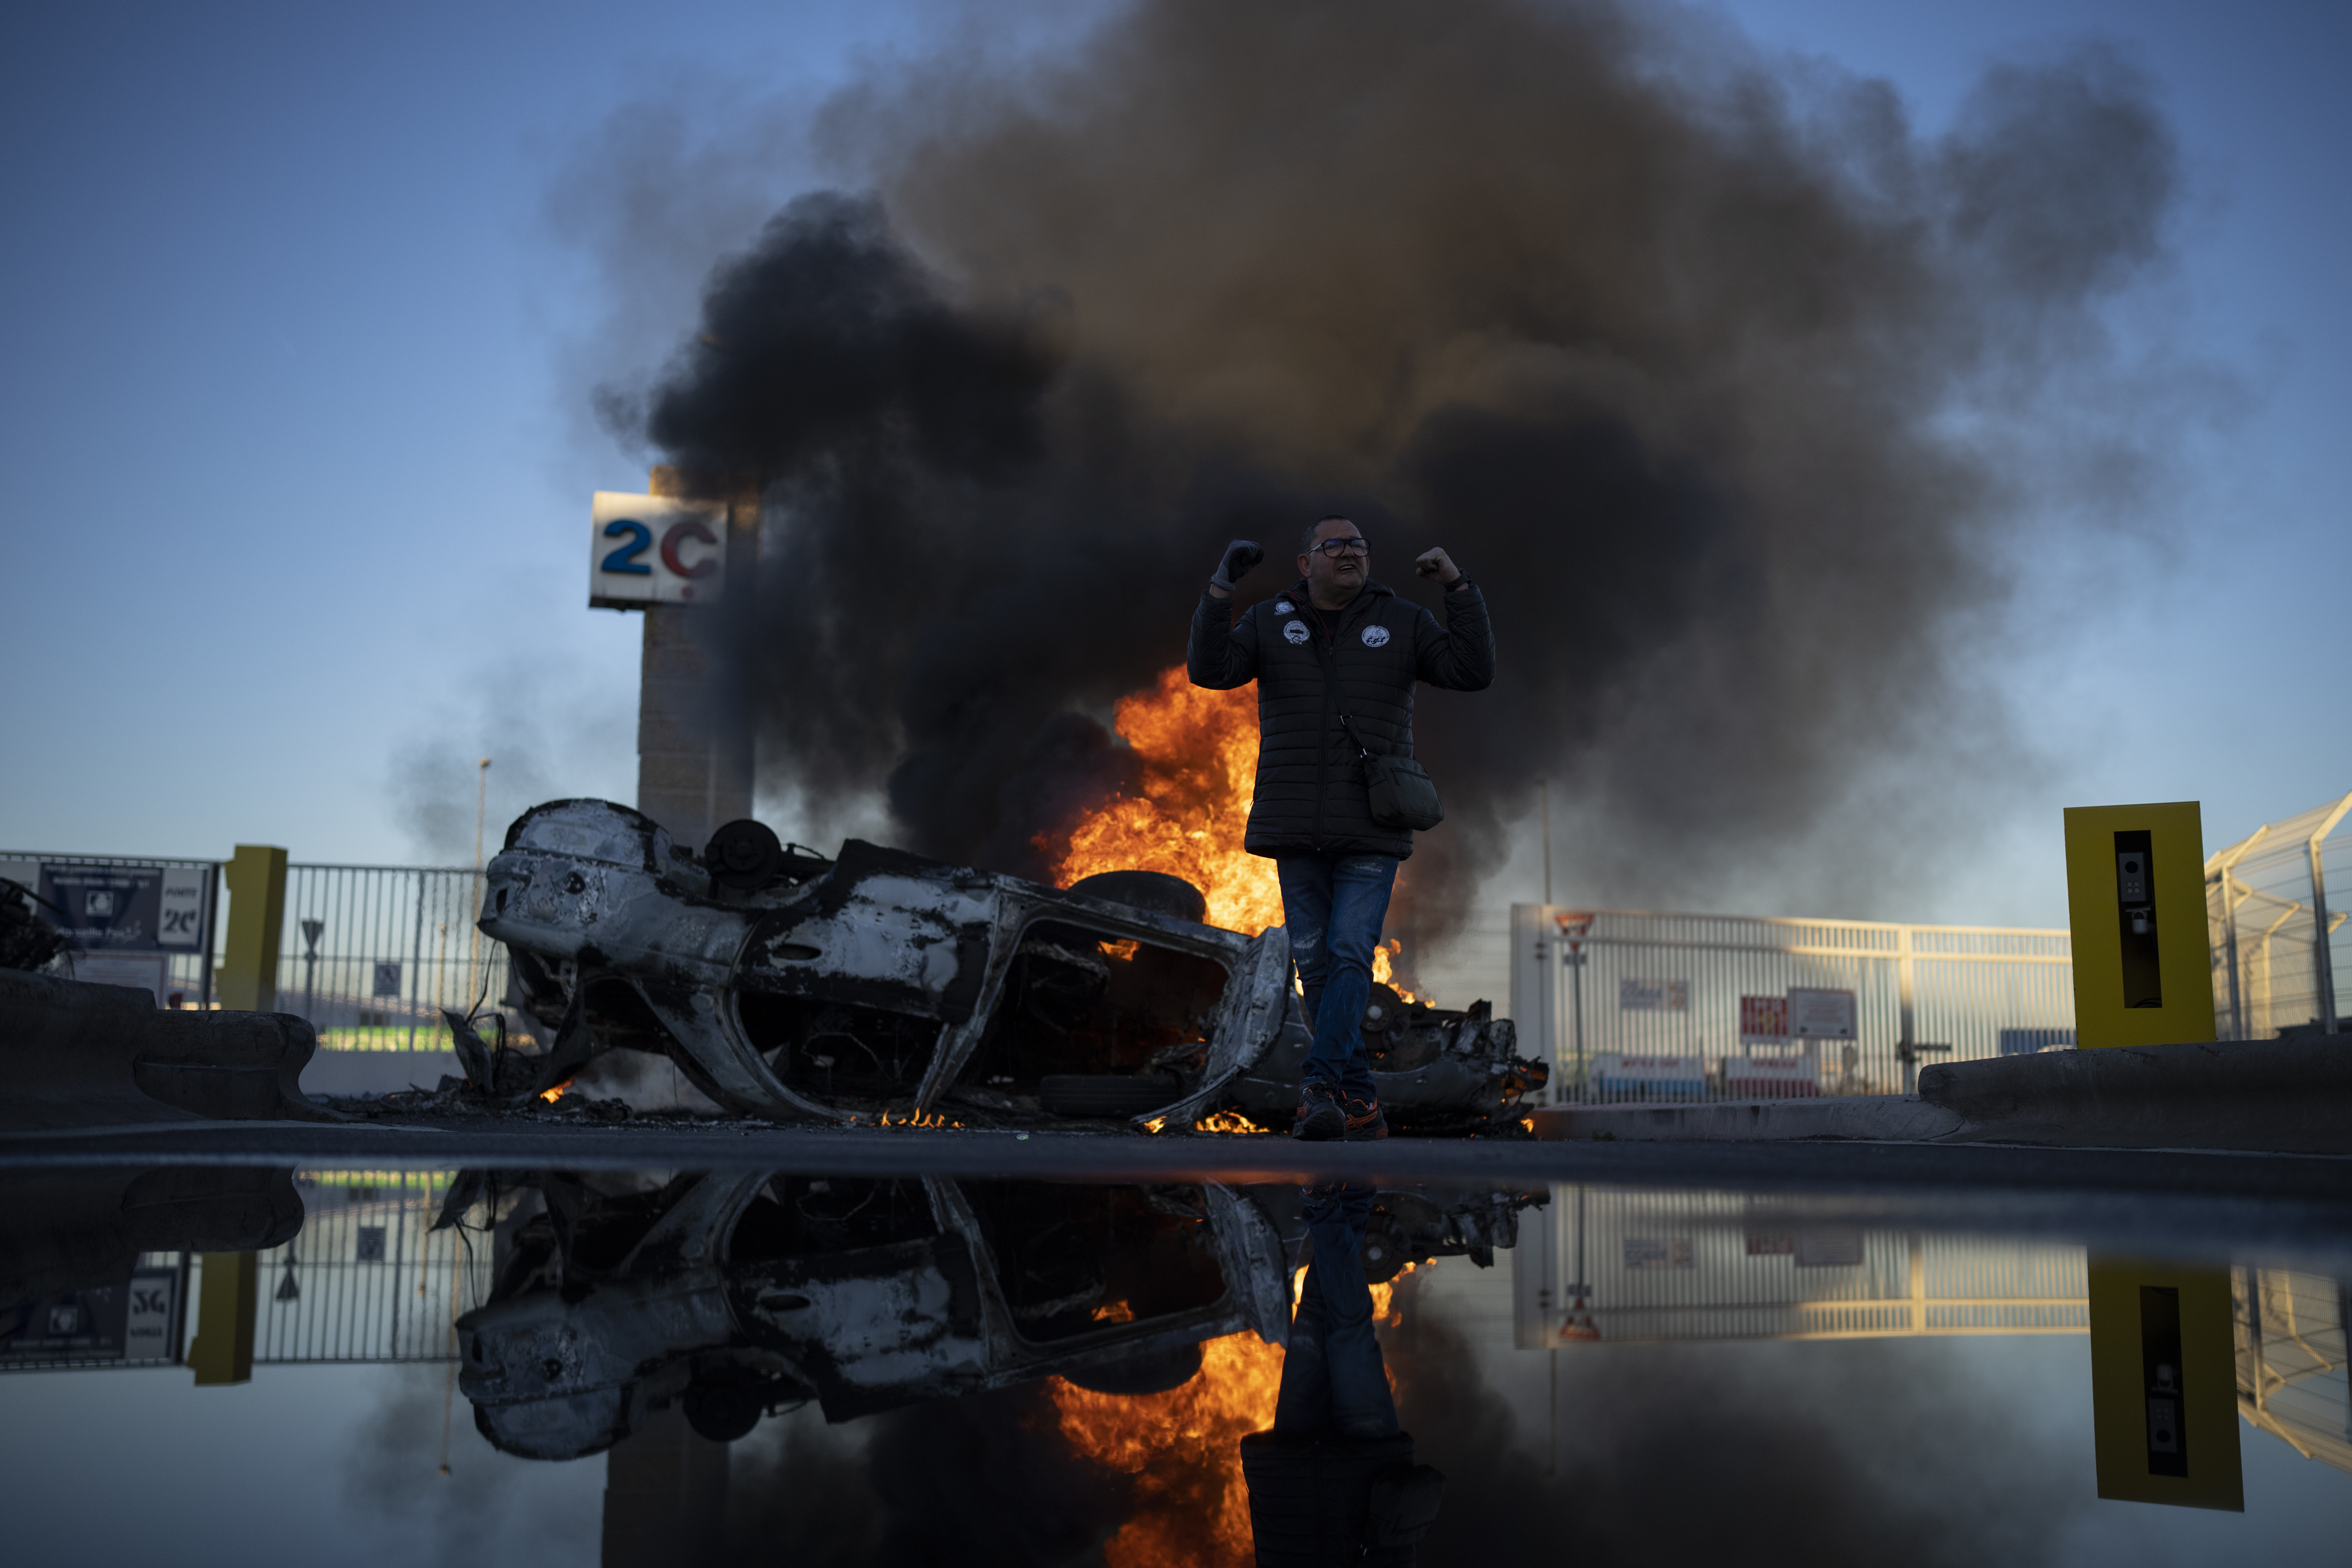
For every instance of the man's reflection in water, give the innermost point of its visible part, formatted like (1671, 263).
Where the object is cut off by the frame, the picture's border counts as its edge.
(1335, 1479)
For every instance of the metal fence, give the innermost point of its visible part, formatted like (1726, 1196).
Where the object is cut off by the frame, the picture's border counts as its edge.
(1609, 1265)
(1588, 985)
(368, 1278)
(2292, 1350)
(371, 955)
(2266, 907)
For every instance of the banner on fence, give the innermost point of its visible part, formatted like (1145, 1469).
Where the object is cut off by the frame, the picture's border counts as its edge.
(1816, 1014)
(1664, 1075)
(1654, 996)
(129, 908)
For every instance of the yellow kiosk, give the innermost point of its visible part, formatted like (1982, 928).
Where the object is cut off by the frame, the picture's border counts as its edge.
(2136, 898)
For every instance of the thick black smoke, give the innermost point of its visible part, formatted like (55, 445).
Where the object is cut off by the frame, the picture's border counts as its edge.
(987, 1480)
(1708, 368)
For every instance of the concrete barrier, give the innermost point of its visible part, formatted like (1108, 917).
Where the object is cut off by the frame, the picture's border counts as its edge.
(2281, 1096)
(1891, 1118)
(2275, 1096)
(74, 1054)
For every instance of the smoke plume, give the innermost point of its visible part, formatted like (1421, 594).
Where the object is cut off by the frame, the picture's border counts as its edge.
(1717, 377)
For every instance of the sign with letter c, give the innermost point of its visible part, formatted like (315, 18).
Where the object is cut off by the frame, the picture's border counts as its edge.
(689, 528)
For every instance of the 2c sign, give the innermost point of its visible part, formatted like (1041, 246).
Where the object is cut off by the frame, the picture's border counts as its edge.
(651, 549)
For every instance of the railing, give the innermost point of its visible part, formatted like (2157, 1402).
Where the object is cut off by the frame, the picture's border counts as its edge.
(371, 955)
(1590, 985)
(2266, 903)
(368, 1278)
(1603, 1264)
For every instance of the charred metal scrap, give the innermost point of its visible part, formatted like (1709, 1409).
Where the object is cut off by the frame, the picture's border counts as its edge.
(735, 1295)
(880, 985)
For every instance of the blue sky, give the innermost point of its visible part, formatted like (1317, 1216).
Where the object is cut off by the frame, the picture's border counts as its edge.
(301, 314)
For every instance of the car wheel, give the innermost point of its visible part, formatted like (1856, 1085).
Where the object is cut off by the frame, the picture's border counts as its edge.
(1155, 891)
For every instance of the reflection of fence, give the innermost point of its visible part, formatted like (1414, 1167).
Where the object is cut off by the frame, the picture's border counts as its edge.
(1611, 1265)
(2292, 1348)
(1589, 985)
(371, 954)
(2265, 904)
(368, 1278)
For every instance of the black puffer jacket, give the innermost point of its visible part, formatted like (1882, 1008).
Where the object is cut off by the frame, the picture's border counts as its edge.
(1310, 783)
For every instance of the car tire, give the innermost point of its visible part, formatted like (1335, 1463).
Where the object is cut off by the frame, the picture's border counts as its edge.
(1104, 1093)
(1155, 891)
(1154, 1372)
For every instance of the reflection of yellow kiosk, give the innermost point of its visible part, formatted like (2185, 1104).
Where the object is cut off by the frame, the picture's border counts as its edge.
(2164, 1386)
(2136, 893)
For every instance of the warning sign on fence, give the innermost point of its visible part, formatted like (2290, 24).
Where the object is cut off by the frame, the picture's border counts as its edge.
(1820, 1015)
(1763, 1020)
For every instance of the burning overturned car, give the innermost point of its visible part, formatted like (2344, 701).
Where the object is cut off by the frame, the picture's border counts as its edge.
(878, 984)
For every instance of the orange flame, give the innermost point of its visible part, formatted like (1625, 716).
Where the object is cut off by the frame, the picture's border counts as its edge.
(1198, 751)
(1183, 1447)
(1385, 956)
(552, 1095)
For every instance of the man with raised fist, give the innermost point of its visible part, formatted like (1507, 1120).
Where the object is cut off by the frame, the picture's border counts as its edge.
(1336, 656)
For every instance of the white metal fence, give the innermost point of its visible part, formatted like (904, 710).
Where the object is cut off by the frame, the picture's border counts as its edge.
(2266, 906)
(1609, 1265)
(1590, 985)
(371, 955)
(367, 1278)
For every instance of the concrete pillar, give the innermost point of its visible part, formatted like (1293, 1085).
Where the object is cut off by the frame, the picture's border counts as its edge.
(665, 1495)
(694, 728)
(256, 918)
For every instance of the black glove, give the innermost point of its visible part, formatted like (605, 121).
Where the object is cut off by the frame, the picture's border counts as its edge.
(1241, 557)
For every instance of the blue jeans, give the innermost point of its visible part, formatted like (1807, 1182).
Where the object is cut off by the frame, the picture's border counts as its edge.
(1334, 906)
(1333, 1378)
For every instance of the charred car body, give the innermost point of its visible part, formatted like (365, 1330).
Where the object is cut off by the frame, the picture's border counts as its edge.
(880, 984)
(734, 1294)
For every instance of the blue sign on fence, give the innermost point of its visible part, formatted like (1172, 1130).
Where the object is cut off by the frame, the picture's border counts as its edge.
(140, 909)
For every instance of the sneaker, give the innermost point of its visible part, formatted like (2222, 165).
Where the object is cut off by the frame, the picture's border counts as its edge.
(1363, 1119)
(1319, 1116)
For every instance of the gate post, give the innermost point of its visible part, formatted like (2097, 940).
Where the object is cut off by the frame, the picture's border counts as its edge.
(256, 913)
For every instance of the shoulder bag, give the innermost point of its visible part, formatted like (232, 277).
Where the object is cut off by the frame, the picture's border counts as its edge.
(1403, 796)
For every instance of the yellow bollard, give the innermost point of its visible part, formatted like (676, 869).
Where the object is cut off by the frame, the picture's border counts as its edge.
(227, 1299)
(247, 977)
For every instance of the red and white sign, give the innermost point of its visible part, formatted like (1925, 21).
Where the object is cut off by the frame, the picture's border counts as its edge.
(1763, 1020)
(653, 550)
(1819, 1014)
(1771, 1076)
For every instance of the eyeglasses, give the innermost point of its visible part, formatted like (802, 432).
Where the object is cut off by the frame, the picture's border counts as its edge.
(1335, 549)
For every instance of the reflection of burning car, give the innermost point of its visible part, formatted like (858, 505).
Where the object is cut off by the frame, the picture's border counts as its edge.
(731, 1294)
(879, 982)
